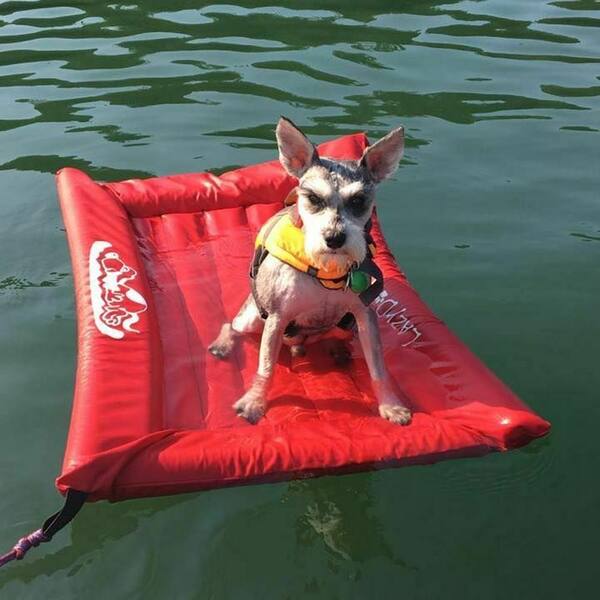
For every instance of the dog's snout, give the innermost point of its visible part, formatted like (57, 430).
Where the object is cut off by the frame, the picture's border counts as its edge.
(335, 239)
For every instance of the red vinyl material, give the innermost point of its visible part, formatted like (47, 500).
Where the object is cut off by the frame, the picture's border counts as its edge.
(159, 264)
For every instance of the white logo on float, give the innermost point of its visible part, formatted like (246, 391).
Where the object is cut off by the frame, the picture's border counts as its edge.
(385, 307)
(115, 305)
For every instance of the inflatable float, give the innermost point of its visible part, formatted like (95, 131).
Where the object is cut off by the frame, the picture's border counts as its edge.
(159, 264)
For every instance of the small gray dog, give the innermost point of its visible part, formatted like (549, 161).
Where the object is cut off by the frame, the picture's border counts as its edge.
(334, 202)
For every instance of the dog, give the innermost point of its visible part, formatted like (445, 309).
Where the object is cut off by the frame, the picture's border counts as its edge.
(289, 304)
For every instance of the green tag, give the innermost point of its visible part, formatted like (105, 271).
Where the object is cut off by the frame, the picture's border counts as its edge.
(359, 281)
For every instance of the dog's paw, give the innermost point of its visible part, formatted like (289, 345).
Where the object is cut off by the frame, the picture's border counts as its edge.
(298, 350)
(250, 408)
(220, 350)
(395, 413)
(341, 354)
(224, 344)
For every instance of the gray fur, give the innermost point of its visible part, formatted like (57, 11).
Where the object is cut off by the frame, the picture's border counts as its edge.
(289, 295)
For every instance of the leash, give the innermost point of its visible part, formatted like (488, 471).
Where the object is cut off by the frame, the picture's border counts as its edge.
(53, 524)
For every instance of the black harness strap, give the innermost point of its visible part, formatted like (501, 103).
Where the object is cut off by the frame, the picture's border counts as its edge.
(259, 256)
(369, 267)
(348, 322)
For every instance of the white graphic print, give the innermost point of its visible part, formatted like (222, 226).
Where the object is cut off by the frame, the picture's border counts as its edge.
(390, 310)
(116, 305)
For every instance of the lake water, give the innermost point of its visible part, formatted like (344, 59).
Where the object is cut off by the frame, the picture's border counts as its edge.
(494, 215)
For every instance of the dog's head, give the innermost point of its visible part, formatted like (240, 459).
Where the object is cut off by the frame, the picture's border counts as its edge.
(336, 197)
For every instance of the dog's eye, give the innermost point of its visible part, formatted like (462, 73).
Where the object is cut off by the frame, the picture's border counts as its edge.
(315, 201)
(357, 203)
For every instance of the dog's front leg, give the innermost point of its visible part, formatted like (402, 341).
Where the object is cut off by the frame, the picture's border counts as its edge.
(251, 405)
(390, 406)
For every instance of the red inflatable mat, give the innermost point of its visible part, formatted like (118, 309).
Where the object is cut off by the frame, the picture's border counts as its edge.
(159, 265)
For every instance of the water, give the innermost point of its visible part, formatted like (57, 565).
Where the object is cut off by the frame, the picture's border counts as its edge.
(494, 215)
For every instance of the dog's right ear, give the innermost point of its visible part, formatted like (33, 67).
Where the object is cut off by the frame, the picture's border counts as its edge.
(296, 151)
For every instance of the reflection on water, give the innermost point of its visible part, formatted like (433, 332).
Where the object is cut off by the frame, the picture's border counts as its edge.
(344, 521)
(494, 214)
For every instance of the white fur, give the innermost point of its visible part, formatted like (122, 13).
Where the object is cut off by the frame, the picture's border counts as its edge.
(319, 186)
(349, 190)
(316, 224)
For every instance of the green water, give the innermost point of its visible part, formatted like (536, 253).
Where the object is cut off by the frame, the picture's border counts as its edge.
(495, 215)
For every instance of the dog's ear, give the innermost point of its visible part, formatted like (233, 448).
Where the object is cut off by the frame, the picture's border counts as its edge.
(381, 159)
(296, 152)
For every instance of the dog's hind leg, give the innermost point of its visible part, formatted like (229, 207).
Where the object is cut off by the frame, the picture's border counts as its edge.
(246, 321)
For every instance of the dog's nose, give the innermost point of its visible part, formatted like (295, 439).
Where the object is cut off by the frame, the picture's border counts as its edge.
(335, 240)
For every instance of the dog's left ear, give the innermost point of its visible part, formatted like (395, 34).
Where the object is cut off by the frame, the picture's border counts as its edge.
(296, 151)
(381, 159)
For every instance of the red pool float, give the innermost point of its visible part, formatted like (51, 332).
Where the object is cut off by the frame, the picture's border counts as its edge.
(159, 264)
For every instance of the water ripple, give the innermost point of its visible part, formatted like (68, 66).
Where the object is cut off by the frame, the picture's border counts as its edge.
(347, 67)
